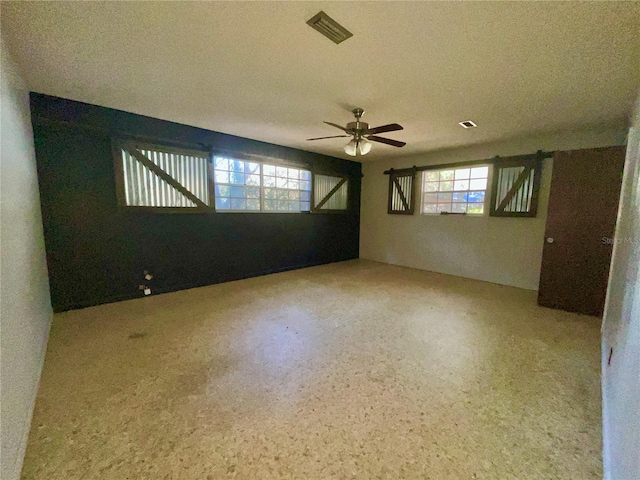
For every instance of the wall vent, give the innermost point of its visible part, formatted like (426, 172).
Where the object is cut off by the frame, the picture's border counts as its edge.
(328, 27)
(467, 124)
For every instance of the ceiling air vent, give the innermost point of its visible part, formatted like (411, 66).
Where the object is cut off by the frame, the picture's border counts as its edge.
(328, 27)
(467, 124)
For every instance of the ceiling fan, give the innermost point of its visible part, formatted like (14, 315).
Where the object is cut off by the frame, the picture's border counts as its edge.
(362, 135)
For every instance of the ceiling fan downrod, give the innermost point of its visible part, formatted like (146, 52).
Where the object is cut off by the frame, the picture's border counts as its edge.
(358, 112)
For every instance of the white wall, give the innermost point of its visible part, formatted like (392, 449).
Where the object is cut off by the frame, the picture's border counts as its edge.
(25, 306)
(621, 329)
(499, 250)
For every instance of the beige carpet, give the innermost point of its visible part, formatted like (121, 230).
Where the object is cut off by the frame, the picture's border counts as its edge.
(349, 370)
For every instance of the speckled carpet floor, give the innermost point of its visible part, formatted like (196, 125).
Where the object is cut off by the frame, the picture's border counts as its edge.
(349, 370)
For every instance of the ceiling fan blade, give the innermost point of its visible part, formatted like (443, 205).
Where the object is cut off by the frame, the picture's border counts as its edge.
(322, 138)
(392, 127)
(388, 141)
(337, 126)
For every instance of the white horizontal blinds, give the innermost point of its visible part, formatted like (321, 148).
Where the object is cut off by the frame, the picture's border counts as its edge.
(323, 185)
(454, 190)
(521, 200)
(249, 186)
(396, 200)
(406, 185)
(401, 188)
(144, 188)
(189, 170)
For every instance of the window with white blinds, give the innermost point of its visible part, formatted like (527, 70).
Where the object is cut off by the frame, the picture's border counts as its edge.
(153, 176)
(330, 192)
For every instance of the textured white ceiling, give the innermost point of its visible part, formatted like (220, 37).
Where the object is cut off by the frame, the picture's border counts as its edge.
(255, 69)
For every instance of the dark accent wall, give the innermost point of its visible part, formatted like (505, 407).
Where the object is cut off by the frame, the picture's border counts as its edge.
(96, 252)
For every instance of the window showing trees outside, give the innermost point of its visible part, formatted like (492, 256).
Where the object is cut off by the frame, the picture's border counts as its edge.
(251, 186)
(455, 190)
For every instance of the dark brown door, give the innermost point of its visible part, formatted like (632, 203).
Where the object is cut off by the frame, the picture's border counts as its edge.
(583, 206)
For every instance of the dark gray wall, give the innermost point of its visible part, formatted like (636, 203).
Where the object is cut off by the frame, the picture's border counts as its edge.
(97, 252)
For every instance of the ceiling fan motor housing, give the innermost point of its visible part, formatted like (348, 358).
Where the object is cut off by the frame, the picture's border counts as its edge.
(353, 126)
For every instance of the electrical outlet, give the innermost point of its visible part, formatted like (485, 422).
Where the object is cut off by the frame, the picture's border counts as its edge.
(147, 291)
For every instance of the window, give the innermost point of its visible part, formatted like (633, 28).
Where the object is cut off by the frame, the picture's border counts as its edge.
(176, 180)
(454, 190)
(161, 177)
(242, 185)
(330, 193)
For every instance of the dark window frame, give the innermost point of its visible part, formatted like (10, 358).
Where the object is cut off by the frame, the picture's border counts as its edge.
(536, 160)
(131, 145)
(533, 171)
(395, 185)
(120, 143)
(345, 178)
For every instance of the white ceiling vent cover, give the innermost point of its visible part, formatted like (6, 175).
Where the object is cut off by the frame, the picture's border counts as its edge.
(328, 27)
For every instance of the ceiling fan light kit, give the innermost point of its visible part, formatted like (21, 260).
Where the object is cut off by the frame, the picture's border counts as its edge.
(351, 148)
(365, 146)
(355, 147)
(362, 136)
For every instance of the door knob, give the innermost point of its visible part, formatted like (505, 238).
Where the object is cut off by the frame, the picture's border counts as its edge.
(549, 239)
